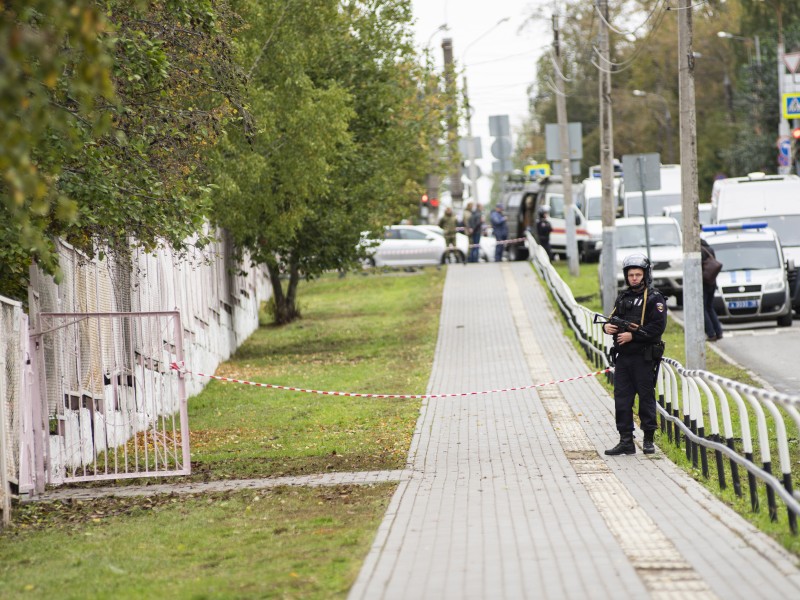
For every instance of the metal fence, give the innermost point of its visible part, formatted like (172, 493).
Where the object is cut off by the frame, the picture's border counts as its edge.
(102, 399)
(13, 335)
(704, 413)
(118, 409)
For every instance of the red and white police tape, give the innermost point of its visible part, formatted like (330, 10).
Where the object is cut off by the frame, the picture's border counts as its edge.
(182, 370)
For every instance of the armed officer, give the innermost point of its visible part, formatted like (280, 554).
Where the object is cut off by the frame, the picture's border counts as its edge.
(637, 350)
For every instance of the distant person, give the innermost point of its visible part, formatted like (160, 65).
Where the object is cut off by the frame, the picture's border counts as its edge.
(543, 230)
(476, 229)
(711, 321)
(500, 228)
(465, 217)
(449, 223)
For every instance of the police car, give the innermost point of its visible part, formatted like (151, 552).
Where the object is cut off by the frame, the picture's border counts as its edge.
(753, 284)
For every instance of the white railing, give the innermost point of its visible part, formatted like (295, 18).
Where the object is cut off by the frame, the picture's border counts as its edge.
(690, 401)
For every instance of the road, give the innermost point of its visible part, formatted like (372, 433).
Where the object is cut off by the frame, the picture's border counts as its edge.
(769, 351)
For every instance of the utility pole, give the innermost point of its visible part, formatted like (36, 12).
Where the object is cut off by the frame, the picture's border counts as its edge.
(694, 335)
(456, 187)
(566, 172)
(608, 214)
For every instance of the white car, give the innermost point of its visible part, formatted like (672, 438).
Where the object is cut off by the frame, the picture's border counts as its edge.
(666, 252)
(753, 284)
(409, 245)
(462, 241)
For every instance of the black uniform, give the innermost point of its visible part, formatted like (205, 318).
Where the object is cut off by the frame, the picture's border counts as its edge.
(637, 361)
(543, 229)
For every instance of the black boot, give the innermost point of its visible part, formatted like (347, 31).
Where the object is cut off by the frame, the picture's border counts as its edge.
(647, 445)
(625, 446)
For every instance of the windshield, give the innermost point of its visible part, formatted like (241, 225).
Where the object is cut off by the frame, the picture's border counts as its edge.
(594, 208)
(786, 226)
(655, 204)
(661, 234)
(743, 256)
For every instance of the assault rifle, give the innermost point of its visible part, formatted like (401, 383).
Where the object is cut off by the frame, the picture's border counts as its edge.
(621, 323)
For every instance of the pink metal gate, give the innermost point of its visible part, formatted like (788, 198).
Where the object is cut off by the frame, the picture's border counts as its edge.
(110, 405)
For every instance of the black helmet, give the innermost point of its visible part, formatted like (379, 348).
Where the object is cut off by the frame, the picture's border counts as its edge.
(638, 261)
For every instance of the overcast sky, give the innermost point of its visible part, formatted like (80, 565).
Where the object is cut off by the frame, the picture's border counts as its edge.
(500, 62)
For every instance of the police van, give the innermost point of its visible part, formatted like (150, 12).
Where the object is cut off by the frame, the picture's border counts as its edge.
(772, 199)
(754, 282)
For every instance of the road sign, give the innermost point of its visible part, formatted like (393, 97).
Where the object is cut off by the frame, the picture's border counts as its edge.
(642, 171)
(552, 141)
(537, 170)
(791, 105)
(499, 126)
(784, 152)
(501, 148)
(792, 61)
(463, 148)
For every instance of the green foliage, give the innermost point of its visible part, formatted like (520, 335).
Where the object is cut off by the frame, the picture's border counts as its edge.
(343, 135)
(105, 114)
(736, 102)
(56, 64)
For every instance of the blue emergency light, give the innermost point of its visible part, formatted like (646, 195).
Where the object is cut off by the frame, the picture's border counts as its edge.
(735, 226)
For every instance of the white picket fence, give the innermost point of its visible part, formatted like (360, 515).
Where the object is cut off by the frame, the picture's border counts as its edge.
(216, 298)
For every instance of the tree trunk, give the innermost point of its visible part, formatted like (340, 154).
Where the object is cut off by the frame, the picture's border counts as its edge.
(285, 305)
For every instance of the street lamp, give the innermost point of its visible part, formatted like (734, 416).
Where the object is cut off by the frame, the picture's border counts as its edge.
(729, 36)
(473, 172)
(670, 158)
(442, 27)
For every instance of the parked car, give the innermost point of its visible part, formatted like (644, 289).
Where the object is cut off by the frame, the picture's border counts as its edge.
(754, 282)
(676, 212)
(666, 252)
(409, 245)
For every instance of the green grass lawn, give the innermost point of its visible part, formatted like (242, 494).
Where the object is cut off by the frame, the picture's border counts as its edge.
(585, 289)
(362, 333)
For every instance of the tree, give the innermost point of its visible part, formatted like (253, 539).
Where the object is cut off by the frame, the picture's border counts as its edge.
(50, 49)
(123, 101)
(342, 141)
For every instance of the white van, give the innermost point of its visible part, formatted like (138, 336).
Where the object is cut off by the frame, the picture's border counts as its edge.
(656, 200)
(773, 199)
(592, 209)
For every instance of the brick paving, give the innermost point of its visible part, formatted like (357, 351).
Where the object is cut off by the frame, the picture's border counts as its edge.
(510, 496)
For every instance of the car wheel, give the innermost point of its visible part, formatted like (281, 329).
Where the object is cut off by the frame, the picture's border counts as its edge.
(679, 299)
(368, 262)
(785, 320)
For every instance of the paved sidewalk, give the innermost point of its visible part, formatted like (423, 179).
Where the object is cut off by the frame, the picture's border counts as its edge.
(510, 496)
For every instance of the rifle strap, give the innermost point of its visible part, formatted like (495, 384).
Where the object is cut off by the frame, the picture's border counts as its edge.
(644, 306)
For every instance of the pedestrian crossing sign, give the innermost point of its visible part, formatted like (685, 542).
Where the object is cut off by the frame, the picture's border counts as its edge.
(791, 105)
(537, 170)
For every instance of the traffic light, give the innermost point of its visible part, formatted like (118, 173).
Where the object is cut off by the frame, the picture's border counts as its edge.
(796, 147)
(424, 200)
(434, 203)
